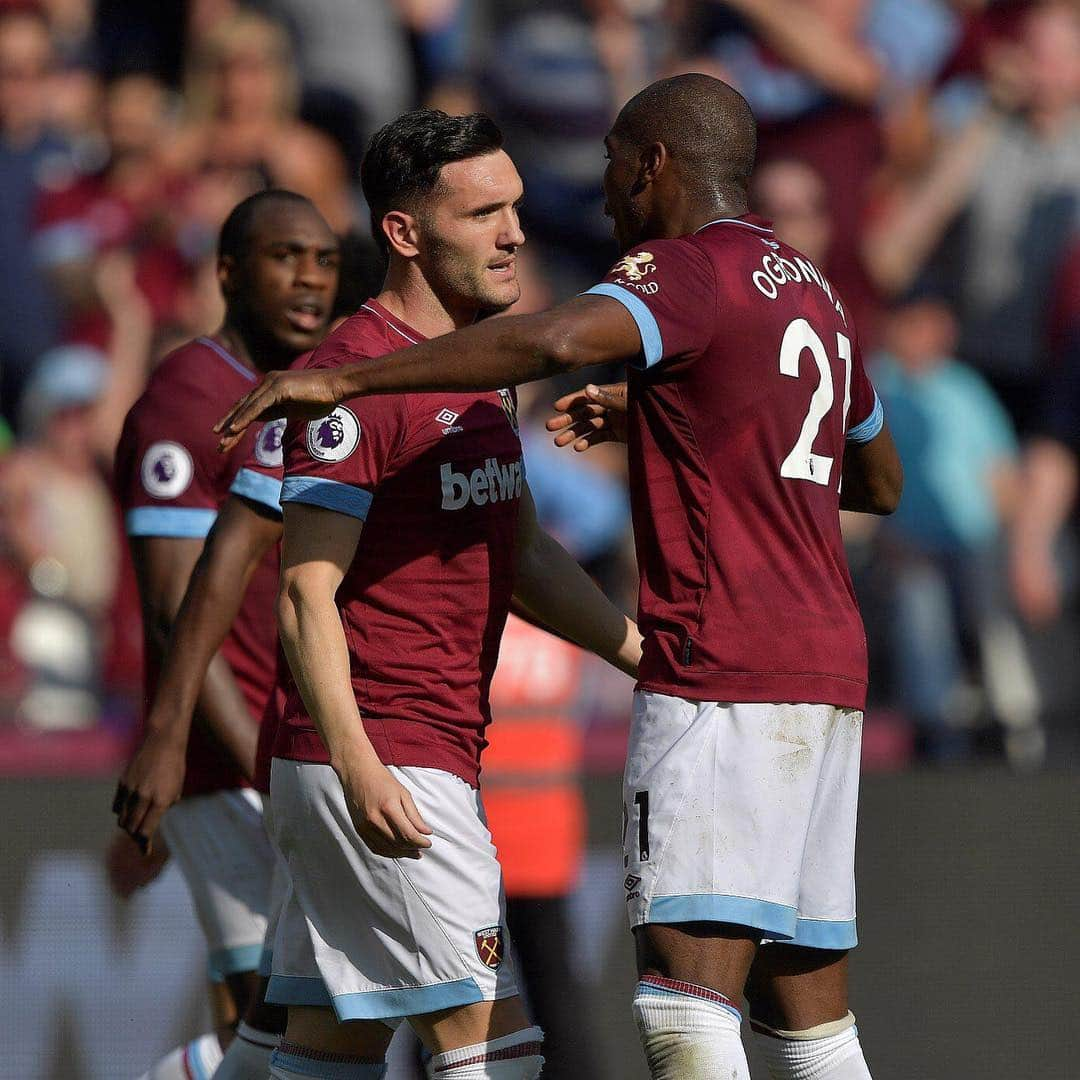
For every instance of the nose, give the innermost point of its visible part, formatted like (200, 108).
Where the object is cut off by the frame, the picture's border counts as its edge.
(311, 273)
(512, 236)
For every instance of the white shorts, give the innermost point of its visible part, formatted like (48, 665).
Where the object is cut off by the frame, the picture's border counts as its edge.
(386, 938)
(745, 814)
(220, 844)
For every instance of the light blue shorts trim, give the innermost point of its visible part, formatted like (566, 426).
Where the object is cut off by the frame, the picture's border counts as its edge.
(226, 962)
(297, 990)
(825, 934)
(773, 920)
(407, 1001)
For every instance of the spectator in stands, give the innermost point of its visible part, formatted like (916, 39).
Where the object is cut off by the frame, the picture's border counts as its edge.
(243, 94)
(1004, 197)
(943, 549)
(792, 196)
(32, 156)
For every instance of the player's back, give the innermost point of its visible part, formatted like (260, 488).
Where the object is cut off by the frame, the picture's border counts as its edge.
(738, 428)
(170, 480)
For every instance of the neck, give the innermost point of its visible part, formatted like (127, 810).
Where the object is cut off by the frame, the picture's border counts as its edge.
(246, 345)
(684, 214)
(409, 296)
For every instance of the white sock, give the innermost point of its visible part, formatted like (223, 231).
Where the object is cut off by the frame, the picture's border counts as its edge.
(828, 1052)
(512, 1057)
(292, 1062)
(688, 1032)
(248, 1056)
(196, 1061)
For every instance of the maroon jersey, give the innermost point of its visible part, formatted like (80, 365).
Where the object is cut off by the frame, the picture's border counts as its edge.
(749, 383)
(171, 480)
(437, 480)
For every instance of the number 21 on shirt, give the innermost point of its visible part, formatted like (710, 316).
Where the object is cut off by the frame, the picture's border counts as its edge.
(802, 463)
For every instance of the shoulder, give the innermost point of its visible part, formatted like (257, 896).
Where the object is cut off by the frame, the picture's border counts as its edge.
(359, 337)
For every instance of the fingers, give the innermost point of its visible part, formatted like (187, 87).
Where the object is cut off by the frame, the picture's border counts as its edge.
(397, 830)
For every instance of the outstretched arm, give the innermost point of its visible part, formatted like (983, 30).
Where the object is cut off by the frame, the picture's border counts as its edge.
(554, 591)
(153, 780)
(493, 354)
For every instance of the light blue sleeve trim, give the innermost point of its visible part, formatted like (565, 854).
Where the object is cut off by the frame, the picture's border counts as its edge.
(295, 1065)
(258, 487)
(177, 522)
(652, 343)
(773, 920)
(226, 962)
(329, 494)
(825, 934)
(871, 427)
(297, 990)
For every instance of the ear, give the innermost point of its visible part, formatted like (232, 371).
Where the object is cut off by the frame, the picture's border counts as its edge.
(402, 233)
(654, 159)
(226, 275)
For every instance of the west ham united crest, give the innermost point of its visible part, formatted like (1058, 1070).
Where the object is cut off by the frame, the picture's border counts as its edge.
(509, 404)
(489, 946)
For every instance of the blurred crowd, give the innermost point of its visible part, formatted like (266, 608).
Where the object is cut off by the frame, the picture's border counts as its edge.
(924, 153)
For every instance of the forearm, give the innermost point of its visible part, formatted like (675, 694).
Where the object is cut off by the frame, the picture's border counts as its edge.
(799, 35)
(556, 593)
(493, 354)
(1048, 493)
(314, 642)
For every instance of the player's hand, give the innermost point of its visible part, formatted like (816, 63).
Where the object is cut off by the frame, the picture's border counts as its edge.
(299, 395)
(130, 870)
(150, 784)
(588, 417)
(383, 812)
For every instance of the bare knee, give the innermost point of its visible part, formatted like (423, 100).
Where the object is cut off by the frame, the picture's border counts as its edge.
(793, 988)
(714, 955)
(319, 1029)
(467, 1025)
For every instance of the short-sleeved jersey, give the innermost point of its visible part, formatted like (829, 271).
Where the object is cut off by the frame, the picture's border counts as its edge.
(748, 385)
(437, 480)
(171, 479)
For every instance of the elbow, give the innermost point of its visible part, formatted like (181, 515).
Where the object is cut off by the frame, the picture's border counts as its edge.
(886, 495)
(562, 352)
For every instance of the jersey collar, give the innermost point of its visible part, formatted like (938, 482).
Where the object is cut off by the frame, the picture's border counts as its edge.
(401, 329)
(747, 221)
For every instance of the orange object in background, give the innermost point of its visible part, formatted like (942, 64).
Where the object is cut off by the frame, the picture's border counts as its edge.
(531, 776)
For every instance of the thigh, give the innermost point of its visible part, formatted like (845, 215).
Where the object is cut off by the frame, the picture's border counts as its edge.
(394, 937)
(792, 988)
(717, 803)
(220, 844)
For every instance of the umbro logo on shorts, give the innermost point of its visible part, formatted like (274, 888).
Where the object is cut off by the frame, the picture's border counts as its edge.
(489, 946)
(631, 885)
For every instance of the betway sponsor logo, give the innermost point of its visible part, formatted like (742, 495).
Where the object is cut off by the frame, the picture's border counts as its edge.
(492, 483)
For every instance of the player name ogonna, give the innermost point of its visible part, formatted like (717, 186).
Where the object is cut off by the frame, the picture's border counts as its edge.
(491, 483)
(777, 271)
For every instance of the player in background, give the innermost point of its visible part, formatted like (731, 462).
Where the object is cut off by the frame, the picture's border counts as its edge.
(408, 532)
(751, 424)
(278, 273)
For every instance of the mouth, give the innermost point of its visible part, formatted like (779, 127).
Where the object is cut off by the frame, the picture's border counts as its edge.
(506, 269)
(306, 316)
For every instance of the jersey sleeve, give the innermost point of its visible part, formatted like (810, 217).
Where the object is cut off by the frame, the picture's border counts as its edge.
(669, 288)
(170, 475)
(866, 417)
(338, 461)
(260, 477)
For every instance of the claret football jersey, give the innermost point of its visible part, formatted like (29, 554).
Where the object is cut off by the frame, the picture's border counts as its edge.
(748, 386)
(437, 480)
(171, 480)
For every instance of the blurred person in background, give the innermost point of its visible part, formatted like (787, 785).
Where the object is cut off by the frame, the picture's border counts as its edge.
(944, 549)
(278, 273)
(998, 208)
(242, 97)
(793, 196)
(825, 77)
(32, 156)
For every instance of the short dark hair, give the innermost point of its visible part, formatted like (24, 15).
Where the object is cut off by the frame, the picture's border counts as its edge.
(235, 235)
(404, 158)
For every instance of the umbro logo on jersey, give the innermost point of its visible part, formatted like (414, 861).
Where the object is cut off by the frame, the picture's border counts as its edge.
(447, 418)
(491, 484)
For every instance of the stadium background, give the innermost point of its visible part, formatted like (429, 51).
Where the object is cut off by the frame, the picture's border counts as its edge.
(925, 153)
